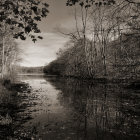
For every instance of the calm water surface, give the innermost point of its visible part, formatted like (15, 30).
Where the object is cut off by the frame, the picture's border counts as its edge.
(56, 108)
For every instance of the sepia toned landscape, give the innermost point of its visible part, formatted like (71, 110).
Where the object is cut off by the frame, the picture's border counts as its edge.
(69, 70)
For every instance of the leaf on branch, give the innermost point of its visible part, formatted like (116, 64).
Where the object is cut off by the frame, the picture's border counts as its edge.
(37, 31)
(16, 36)
(34, 40)
(46, 5)
(40, 37)
(34, 8)
(21, 33)
(44, 12)
(22, 37)
(28, 29)
(34, 25)
(35, 2)
(37, 18)
(32, 36)
(81, 4)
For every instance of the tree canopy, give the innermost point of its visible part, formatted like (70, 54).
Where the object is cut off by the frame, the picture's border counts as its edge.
(22, 16)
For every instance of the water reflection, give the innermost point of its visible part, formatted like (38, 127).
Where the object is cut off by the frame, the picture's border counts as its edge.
(100, 111)
(60, 109)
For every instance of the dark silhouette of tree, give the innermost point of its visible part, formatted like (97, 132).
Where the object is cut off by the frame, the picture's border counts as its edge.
(22, 17)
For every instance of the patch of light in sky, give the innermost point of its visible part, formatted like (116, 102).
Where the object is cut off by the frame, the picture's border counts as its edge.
(41, 52)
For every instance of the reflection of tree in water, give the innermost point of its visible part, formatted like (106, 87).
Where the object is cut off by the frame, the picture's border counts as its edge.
(14, 104)
(99, 111)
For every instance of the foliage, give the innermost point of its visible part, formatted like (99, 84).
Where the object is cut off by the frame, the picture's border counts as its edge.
(55, 68)
(22, 14)
(111, 51)
(120, 63)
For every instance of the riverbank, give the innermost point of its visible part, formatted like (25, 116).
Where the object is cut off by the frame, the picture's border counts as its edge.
(11, 96)
(127, 82)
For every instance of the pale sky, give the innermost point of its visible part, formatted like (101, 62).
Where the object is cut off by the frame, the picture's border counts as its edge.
(44, 51)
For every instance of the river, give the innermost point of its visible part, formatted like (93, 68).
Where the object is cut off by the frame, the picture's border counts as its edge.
(54, 108)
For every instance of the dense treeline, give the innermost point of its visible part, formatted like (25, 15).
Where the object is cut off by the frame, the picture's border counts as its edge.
(119, 63)
(29, 70)
(105, 44)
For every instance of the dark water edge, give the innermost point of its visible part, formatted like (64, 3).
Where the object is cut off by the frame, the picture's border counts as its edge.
(58, 108)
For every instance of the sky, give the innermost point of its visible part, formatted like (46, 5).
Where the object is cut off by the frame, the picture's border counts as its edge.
(44, 51)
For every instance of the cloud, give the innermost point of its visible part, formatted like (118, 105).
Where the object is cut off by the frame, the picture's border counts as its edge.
(41, 52)
(44, 51)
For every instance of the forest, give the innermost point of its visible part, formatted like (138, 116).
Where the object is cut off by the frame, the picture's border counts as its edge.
(104, 44)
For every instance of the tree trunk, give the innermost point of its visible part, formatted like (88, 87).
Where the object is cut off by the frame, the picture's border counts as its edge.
(3, 58)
